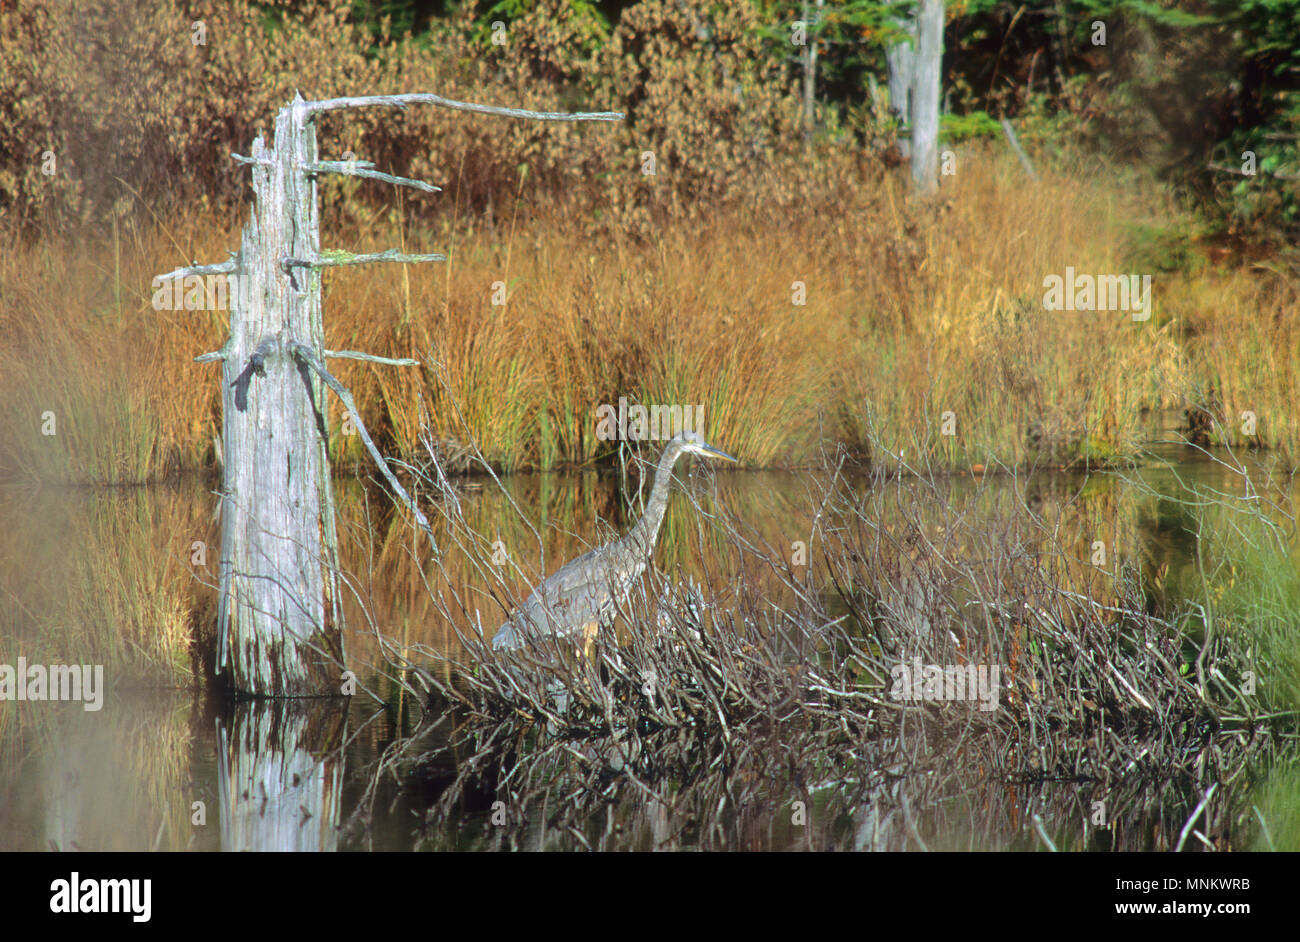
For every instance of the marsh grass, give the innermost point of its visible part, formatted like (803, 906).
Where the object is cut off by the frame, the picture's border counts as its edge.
(106, 577)
(137, 586)
(1248, 568)
(81, 340)
(1277, 811)
(673, 287)
(916, 320)
(1245, 374)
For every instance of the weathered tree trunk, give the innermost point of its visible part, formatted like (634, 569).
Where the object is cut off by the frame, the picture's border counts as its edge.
(915, 69)
(279, 625)
(811, 30)
(901, 59)
(926, 73)
(279, 598)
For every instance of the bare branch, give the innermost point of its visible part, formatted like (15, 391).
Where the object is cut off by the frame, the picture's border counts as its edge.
(256, 161)
(371, 358)
(303, 353)
(352, 169)
(419, 98)
(1279, 174)
(335, 258)
(338, 166)
(216, 354)
(1017, 149)
(220, 268)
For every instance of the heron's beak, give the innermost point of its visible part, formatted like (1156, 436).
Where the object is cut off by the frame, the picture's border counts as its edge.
(714, 453)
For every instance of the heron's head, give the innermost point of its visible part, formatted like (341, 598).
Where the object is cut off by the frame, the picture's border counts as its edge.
(693, 443)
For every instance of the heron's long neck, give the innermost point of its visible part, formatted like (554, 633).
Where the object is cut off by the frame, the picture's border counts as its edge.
(647, 528)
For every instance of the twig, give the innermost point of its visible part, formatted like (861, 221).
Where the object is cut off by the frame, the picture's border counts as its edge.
(1042, 833)
(1182, 837)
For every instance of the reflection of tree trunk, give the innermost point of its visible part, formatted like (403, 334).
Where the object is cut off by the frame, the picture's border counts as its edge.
(280, 776)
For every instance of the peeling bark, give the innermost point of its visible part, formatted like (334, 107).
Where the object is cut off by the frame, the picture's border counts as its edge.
(279, 617)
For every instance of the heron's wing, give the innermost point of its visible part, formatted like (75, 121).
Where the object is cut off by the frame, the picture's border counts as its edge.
(582, 591)
(506, 637)
(548, 610)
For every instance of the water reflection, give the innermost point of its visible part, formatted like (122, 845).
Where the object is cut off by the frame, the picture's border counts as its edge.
(279, 775)
(124, 778)
(114, 577)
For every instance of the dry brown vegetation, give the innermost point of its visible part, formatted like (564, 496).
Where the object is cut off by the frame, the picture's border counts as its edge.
(713, 113)
(910, 312)
(677, 287)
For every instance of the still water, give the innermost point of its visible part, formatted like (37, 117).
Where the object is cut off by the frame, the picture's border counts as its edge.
(123, 578)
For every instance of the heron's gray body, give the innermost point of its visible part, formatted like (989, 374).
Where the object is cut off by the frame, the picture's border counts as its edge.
(585, 593)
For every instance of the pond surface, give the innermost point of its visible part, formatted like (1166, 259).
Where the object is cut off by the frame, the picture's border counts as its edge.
(90, 574)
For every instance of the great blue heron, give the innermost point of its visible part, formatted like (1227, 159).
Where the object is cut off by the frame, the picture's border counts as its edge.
(584, 593)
